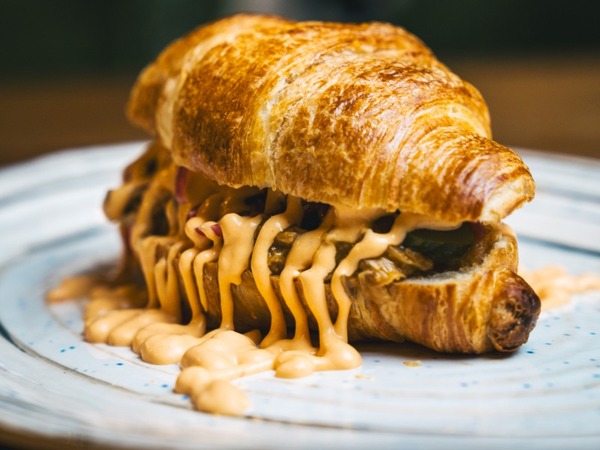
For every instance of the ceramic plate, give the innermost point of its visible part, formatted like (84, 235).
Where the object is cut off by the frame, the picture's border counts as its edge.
(54, 387)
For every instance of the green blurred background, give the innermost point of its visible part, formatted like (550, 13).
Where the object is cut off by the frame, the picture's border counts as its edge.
(66, 66)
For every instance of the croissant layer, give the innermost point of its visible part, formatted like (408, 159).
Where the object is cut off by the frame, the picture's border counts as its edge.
(358, 115)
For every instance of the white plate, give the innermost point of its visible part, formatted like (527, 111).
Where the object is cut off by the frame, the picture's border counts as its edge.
(56, 388)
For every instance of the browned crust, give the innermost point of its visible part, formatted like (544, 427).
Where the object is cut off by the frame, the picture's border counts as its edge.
(146, 93)
(358, 115)
(484, 307)
(513, 312)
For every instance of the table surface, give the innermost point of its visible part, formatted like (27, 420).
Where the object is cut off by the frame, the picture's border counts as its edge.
(545, 103)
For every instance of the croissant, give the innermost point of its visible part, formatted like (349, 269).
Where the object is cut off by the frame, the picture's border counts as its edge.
(315, 177)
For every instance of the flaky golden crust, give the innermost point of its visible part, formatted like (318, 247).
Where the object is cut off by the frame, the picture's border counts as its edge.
(357, 115)
(481, 308)
(159, 79)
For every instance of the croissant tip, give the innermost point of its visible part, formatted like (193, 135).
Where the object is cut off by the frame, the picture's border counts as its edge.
(515, 311)
(512, 195)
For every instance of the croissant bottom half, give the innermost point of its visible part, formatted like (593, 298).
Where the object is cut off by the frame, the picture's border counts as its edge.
(482, 307)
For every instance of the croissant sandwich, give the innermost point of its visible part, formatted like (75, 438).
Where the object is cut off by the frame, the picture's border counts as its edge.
(321, 183)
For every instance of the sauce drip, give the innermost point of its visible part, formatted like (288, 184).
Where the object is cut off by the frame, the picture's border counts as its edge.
(555, 286)
(236, 228)
(210, 224)
(262, 273)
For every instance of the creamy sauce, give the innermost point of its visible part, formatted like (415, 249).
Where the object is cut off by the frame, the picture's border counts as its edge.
(415, 363)
(555, 286)
(223, 228)
(77, 286)
(238, 241)
(260, 267)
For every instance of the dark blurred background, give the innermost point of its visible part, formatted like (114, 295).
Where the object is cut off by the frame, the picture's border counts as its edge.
(66, 66)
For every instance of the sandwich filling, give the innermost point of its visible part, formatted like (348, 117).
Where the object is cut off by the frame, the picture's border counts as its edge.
(185, 237)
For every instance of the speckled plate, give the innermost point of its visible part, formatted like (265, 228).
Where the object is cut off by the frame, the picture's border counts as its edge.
(56, 389)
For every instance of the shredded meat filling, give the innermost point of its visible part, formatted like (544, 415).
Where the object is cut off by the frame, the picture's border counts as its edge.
(422, 253)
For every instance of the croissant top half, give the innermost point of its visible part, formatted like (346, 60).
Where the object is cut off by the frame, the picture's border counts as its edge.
(359, 115)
